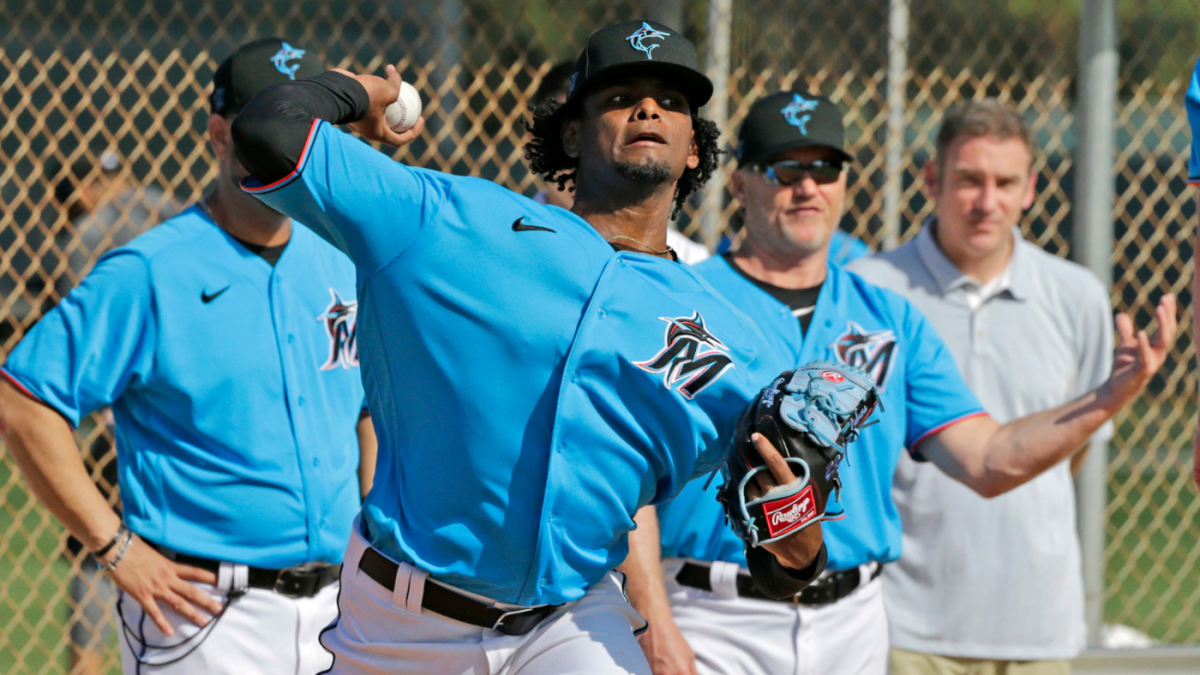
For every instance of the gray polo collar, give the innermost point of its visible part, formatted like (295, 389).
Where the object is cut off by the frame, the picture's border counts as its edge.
(949, 278)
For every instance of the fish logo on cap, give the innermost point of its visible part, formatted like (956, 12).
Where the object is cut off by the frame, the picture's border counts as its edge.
(793, 112)
(287, 53)
(638, 39)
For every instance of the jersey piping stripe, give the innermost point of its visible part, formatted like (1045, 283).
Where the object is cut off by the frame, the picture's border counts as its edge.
(938, 428)
(16, 383)
(12, 378)
(312, 133)
(1194, 181)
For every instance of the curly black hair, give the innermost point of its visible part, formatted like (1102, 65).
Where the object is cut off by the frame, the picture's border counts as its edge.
(546, 157)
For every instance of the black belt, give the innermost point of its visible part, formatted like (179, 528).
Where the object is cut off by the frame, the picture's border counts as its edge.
(303, 581)
(451, 604)
(824, 591)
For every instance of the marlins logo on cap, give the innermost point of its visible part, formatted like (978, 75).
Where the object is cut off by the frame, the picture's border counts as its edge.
(638, 39)
(287, 53)
(639, 48)
(794, 112)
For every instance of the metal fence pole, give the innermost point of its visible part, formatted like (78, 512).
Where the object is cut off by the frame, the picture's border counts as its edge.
(667, 12)
(897, 105)
(1093, 206)
(720, 28)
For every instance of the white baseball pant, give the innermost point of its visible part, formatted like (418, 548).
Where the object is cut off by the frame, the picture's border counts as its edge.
(261, 632)
(732, 635)
(383, 632)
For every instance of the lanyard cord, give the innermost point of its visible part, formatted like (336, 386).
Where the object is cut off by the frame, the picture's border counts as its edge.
(206, 631)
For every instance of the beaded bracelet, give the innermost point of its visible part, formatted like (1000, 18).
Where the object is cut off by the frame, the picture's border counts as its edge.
(108, 547)
(112, 564)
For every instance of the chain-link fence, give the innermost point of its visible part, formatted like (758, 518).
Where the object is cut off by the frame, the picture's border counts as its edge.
(104, 107)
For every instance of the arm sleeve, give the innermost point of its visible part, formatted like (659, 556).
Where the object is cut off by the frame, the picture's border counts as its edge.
(936, 395)
(356, 198)
(1095, 346)
(1193, 112)
(774, 580)
(84, 353)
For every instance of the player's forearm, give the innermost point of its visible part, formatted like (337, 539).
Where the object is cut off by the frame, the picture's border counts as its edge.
(43, 448)
(643, 569)
(270, 134)
(992, 459)
(1023, 449)
(368, 449)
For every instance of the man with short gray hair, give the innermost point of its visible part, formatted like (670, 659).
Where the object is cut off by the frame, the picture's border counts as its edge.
(983, 582)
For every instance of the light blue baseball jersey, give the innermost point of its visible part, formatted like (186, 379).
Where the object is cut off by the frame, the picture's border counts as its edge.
(921, 390)
(844, 248)
(531, 387)
(1192, 102)
(234, 386)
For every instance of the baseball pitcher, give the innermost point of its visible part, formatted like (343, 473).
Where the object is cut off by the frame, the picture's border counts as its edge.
(535, 374)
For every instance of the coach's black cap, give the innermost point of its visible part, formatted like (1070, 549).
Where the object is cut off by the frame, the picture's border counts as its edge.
(256, 66)
(788, 120)
(640, 47)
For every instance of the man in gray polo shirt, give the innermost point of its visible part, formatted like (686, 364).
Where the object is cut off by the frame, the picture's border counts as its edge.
(982, 582)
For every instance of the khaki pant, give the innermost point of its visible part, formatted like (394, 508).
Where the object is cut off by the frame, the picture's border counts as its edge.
(905, 662)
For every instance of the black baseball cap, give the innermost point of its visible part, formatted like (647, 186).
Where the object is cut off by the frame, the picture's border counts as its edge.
(256, 66)
(640, 47)
(787, 120)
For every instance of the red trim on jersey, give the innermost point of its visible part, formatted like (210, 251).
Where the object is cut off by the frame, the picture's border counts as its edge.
(312, 132)
(913, 449)
(9, 376)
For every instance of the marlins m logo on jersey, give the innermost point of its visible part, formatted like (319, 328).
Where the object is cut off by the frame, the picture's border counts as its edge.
(340, 319)
(638, 39)
(287, 53)
(794, 112)
(692, 359)
(870, 351)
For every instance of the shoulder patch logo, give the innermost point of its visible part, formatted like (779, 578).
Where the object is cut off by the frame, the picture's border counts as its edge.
(870, 351)
(638, 39)
(692, 359)
(340, 319)
(287, 53)
(794, 112)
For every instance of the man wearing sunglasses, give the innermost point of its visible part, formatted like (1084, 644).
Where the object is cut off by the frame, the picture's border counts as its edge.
(686, 569)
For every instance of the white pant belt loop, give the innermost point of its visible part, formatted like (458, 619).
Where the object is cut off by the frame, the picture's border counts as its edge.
(232, 577)
(723, 578)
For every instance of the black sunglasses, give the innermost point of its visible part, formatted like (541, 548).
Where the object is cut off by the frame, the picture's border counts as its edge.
(823, 171)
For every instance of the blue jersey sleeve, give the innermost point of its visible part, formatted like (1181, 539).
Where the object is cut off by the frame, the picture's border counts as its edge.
(936, 395)
(1193, 112)
(84, 353)
(357, 198)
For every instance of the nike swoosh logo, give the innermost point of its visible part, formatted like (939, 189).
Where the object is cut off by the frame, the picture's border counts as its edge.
(519, 225)
(206, 298)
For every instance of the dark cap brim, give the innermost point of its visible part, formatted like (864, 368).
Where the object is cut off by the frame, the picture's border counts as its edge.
(767, 154)
(691, 83)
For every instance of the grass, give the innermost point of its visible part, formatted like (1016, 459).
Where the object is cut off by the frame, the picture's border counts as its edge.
(1154, 569)
(33, 582)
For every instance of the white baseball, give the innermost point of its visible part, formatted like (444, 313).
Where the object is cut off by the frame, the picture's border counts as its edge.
(403, 114)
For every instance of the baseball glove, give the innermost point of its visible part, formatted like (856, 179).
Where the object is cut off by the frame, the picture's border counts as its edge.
(810, 415)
